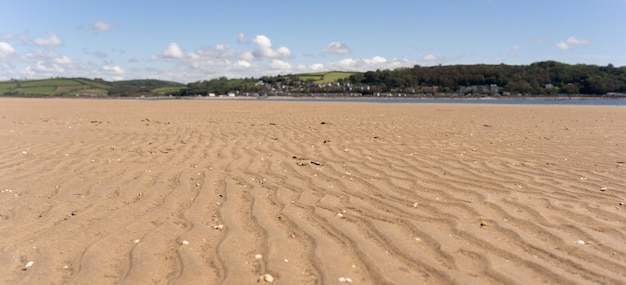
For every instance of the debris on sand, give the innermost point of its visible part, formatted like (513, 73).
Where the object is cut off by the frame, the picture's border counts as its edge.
(28, 265)
(266, 277)
(345, 279)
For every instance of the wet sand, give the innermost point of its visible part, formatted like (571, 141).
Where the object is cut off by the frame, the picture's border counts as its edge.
(225, 192)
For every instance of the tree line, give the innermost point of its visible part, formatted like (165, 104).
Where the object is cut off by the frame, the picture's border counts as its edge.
(541, 78)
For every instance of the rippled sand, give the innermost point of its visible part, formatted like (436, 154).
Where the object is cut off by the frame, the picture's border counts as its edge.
(209, 192)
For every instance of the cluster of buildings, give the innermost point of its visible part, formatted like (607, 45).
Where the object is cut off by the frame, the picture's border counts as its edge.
(346, 89)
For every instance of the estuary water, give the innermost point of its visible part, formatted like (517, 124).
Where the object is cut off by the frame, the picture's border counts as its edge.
(541, 101)
(592, 102)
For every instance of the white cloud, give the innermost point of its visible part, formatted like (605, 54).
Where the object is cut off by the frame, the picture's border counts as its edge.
(7, 71)
(514, 50)
(63, 59)
(317, 66)
(429, 57)
(211, 63)
(241, 38)
(246, 55)
(337, 48)
(363, 64)
(46, 68)
(243, 63)
(562, 45)
(280, 65)
(45, 64)
(6, 37)
(571, 42)
(205, 62)
(102, 26)
(576, 41)
(23, 38)
(114, 70)
(376, 59)
(51, 40)
(344, 64)
(6, 49)
(173, 50)
(265, 50)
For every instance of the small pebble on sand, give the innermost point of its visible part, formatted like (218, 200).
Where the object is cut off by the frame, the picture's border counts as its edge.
(268, 278)
(28, 265)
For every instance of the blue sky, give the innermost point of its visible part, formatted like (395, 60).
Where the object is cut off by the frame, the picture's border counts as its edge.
(187, 41)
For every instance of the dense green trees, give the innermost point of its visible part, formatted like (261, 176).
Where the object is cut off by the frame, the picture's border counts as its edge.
(138, 87)
(224, 85)
(541, 78)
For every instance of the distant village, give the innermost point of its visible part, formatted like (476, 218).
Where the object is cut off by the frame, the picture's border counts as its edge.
(338, 89)
(335, 89)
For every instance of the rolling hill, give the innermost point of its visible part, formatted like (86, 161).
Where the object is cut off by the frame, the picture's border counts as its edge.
(324, 77)
(87, 87)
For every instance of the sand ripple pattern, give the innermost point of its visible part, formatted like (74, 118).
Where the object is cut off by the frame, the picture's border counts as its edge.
(223, 192)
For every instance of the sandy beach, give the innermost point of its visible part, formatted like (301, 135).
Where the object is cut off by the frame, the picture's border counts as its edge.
(253, 192)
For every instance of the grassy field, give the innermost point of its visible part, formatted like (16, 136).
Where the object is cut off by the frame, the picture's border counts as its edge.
(325, 77)
(38, 90)
(100, 92)
(53, 87)
(49, 82)
(93, 84)
(167, 90)
(6, 86)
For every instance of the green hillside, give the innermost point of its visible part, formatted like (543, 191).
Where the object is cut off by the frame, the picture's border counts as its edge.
(54, 87)
(148, 87)
(324, 77)
(87, 87)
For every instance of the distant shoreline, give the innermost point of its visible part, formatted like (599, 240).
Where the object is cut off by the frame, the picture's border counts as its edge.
(578, 101)
(335, 98)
